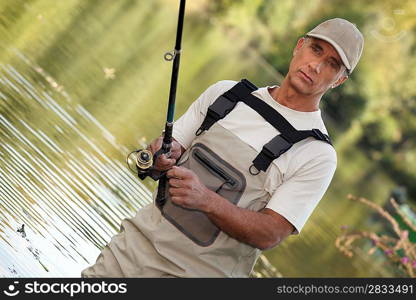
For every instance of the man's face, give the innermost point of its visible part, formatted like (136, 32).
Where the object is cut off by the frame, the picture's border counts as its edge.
(315, 67)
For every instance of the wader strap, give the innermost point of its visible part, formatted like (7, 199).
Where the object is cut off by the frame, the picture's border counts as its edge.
(282, 142)
(272, 150)
(277, 145)
(225, 104)
(275, 119)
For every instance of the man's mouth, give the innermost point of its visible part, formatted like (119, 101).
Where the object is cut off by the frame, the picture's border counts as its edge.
(306, 76)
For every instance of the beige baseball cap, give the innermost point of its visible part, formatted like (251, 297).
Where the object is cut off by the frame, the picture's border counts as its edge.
(344, 36)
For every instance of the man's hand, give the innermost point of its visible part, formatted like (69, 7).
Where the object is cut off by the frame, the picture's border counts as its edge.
(262, 230)
(163, 162)
(187, 190)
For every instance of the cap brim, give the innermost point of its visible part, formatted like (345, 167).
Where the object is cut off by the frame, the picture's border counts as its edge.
(335, 45)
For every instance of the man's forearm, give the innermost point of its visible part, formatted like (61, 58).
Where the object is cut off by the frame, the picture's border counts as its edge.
(262, 230)
(257, 229)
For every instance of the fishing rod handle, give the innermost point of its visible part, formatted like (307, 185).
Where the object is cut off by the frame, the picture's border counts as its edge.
(167, 134)
(161, 191)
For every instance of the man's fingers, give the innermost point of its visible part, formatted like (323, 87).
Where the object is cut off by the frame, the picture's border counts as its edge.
(175, 150)
(178, 192)
(163, 161)
(156, 145)
(177, 200)
(176, 147)
(175, 154)
(179, 172)
(176, 183)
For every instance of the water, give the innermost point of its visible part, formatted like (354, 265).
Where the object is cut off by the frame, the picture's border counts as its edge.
(56, 178)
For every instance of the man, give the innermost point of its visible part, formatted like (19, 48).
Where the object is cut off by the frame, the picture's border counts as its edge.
(218, 229)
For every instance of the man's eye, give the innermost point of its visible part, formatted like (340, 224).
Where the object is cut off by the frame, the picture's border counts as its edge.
(334, 65)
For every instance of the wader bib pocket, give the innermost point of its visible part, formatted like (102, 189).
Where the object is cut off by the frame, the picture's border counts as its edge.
(218, 176)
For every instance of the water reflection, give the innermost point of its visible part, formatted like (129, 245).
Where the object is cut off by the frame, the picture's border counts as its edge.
(56, 178)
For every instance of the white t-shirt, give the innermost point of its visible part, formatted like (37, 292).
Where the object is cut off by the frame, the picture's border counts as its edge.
(303, 173)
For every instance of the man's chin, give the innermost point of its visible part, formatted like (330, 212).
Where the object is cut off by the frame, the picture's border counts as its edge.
(301, 87)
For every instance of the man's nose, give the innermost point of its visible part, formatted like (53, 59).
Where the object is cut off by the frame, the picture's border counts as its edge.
(316, 66)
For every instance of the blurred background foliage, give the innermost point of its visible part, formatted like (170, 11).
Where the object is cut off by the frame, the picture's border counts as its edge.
(108, 56)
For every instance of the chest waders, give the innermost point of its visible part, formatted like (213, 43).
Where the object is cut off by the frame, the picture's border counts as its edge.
(219, 175)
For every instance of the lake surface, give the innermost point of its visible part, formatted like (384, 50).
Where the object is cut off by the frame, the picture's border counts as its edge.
(56, 178)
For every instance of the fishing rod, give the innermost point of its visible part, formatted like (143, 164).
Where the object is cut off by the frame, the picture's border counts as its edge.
(142, 161)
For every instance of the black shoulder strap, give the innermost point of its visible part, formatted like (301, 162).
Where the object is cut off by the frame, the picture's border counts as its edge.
(225, 103)
(275, 147)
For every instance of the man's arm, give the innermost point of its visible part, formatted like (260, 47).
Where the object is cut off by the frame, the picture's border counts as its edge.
(263, 230)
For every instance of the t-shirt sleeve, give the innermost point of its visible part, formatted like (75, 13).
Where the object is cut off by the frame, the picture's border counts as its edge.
(185, 127)
(296, 198)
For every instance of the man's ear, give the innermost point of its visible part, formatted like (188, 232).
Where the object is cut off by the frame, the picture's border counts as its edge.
(299, 45)
(339, 81)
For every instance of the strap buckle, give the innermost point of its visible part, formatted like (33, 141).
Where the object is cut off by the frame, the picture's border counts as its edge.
(216, 111)
(277, 146)
(272, 150)
(321, 136)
